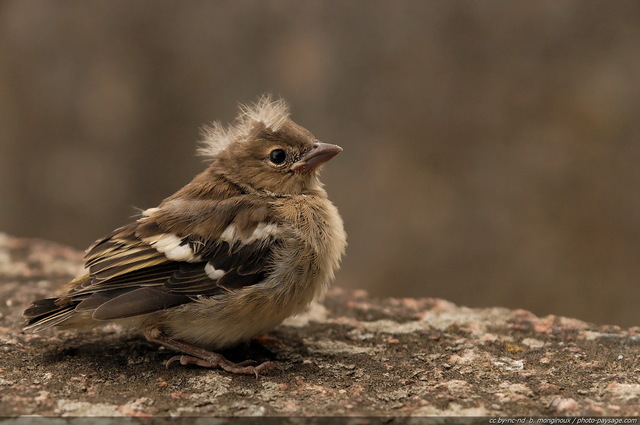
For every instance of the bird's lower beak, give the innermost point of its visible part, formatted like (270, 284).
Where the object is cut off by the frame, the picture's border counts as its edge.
(318, 155)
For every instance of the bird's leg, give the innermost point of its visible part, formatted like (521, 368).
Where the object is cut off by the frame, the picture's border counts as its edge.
(200, 357)
(264, 339)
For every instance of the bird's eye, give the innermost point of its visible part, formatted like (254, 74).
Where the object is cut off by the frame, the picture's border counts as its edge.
(277, 156)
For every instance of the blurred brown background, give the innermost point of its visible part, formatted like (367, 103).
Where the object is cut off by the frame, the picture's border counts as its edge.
(492, 149)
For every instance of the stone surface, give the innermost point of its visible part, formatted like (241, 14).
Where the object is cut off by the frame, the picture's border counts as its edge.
(349, 355)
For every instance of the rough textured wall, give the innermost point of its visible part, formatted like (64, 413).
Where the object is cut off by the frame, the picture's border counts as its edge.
(491, 148)
(351, 355)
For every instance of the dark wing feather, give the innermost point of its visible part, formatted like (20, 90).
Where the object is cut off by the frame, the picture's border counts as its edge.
(129, 277)
(137, 302)
(96, 299)
(191, 279)
(234, 280)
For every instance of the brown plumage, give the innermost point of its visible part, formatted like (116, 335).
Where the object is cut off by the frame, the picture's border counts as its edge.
(248, 242)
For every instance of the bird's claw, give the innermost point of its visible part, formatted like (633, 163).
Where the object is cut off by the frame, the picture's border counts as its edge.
(216, 361)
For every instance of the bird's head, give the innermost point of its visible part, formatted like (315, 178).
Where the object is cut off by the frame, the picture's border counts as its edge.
(266, 151)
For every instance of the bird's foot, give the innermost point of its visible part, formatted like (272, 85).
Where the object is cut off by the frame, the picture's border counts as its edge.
(217, 361)
(199, 356)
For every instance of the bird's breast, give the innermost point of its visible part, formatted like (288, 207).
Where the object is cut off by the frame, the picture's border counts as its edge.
(318, 239)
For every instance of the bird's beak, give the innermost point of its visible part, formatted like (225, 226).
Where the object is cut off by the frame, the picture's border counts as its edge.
(318, 155)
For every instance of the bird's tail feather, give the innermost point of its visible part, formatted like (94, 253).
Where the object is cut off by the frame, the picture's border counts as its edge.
(45, 313)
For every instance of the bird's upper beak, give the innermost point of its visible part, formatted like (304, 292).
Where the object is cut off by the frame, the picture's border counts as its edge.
(318, 155)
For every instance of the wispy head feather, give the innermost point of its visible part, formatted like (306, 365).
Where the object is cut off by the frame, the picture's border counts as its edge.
(272, 113)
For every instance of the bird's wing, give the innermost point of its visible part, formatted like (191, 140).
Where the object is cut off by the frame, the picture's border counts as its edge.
(162, 261)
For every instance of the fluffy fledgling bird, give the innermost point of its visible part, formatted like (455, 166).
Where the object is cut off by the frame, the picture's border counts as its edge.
(247, 243)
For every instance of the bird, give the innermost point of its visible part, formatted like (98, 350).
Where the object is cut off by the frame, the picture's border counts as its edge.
(248, 242)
